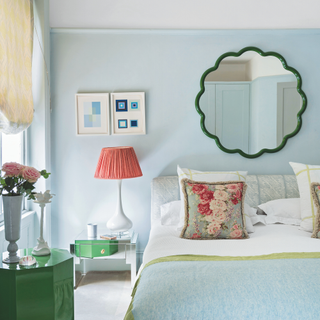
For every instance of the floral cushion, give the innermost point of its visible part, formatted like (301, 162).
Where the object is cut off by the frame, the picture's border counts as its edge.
(315, 191)
(214, 210)
(208, 176)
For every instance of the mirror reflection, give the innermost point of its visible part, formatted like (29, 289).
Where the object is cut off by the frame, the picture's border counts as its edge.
(250, 102)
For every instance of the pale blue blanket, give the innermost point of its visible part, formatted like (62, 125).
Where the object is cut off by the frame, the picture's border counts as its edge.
(255, 289)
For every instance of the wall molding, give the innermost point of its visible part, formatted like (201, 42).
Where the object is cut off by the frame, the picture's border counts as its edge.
(181, 31)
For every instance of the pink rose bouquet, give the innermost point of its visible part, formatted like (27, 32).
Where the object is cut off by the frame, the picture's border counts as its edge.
(12, 169)
(19, 179)
(30, 174)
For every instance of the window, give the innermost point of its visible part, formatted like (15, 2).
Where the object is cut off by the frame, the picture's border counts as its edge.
(12, 149)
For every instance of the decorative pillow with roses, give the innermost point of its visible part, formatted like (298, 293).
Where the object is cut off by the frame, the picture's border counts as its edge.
(315, 191)
(214, 210)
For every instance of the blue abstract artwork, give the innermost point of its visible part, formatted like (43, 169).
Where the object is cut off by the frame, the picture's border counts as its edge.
(122, 124)
(121, 106)
(134, 105)
(92, 114)
(134, 123)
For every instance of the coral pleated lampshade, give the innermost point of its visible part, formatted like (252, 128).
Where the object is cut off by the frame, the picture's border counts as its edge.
(118, 163)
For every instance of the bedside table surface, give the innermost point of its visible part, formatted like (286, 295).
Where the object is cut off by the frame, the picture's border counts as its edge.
(57, 256)
(129, 236)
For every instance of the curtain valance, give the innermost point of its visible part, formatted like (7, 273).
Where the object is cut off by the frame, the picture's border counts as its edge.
(16, 44)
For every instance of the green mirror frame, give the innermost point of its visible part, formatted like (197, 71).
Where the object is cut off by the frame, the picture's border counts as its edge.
(285, 66)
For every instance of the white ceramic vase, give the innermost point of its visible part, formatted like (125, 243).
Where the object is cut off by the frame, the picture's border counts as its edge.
(12, 207)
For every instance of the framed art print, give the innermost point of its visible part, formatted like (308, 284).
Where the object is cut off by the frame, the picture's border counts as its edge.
(128, 113)
(92, 113)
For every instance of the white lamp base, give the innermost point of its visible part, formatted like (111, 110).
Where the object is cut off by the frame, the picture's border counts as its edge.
(119, 222)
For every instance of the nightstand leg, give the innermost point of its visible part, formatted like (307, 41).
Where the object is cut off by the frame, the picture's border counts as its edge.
(83, 267)
(74, 273)
(131, 258)
(133, 271)
(133, 261)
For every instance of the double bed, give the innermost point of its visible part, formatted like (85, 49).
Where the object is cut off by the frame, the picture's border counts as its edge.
(274, 274)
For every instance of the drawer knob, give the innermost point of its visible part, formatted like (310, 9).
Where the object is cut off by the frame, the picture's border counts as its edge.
(103, 251)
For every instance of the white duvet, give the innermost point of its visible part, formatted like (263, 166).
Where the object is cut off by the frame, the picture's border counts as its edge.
(276, 238)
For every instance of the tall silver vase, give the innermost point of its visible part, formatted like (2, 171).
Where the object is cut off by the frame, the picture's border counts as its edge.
(12, 207)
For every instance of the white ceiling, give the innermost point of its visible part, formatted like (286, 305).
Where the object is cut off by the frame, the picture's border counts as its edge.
(185, 14)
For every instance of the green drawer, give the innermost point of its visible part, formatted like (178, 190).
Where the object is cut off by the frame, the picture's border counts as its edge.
(95, 248)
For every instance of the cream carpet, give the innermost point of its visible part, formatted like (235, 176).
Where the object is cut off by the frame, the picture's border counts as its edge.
(103, 295)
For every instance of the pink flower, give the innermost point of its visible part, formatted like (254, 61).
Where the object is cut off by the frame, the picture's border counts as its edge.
(213, 227)
(219, 187)
(219, 216)
(30, 174)
(318, 187)
(236, 234)
(206, 196)
(204, 209)
(214, 204)
(195, 236)
(12, 169)
(217, 210)
(240, 185)
(238, 194)
(221, 195)
(209, 218)
(232, 187)
(234, 200)
(199, 188)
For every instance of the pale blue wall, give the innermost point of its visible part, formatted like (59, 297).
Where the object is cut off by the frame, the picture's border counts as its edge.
(167, 65)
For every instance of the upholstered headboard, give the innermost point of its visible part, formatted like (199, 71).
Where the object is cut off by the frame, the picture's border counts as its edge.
(261, 188)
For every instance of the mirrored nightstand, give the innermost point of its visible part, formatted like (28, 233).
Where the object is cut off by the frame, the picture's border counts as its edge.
(124, 247)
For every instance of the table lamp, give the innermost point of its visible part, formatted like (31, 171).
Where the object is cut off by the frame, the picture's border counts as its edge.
(118, 163)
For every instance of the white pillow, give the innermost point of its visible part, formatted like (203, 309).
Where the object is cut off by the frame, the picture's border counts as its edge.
(285, 211)
(207, 176)
(252, 214)
(170, 213)
(247, 213)
(306, 174)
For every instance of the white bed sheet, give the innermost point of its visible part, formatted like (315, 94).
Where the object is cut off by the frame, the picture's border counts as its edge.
(276, 238)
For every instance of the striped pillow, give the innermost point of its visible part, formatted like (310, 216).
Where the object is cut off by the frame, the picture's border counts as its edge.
(315, 191)
(306, 174)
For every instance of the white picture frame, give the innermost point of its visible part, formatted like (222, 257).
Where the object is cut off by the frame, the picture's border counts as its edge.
(92, 114)
(128, 113)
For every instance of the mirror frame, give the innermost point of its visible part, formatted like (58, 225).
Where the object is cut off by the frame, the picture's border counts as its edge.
(285, 66)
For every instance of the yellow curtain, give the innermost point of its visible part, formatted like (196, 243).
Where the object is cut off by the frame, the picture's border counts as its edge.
(16, 43)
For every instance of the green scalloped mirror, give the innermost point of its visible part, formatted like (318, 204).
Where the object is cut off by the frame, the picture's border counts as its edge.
(251, 102)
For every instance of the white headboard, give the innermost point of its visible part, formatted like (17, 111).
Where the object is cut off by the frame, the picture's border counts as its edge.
(261, 188)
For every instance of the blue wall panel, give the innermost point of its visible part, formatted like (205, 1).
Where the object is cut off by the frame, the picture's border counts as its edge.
(167, 65)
